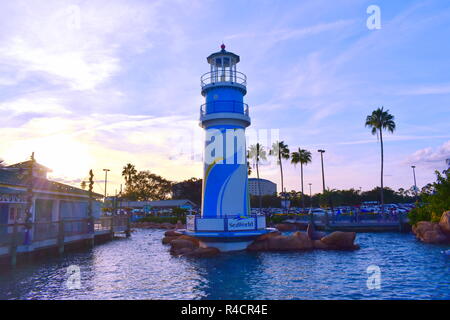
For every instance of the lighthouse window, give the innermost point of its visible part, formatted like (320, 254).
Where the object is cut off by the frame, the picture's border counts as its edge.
(226, 62)
(218, 62)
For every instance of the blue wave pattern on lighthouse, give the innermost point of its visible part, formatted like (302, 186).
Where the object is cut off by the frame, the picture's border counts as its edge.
(224, 117)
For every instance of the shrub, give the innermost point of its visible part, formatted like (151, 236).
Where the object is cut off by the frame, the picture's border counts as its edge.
(434, 204)
(278, 218)
(171, 219)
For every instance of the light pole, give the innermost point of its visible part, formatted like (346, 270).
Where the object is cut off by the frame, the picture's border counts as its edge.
(415, 184)
(323, 185)
(310, 196)
(323, 173)
(106, 179)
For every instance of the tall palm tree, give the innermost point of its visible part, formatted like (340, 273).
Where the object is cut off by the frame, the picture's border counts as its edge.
(303, 157)
(257, 153)
(280, 151)
(378, 121)
(249, 167)
(128, 172)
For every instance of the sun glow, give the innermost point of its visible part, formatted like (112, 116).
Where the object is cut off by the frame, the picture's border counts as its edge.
(67, 157)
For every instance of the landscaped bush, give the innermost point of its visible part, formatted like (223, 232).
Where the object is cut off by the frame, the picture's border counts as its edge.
(154, 219)
(435, 203)
(277, 219)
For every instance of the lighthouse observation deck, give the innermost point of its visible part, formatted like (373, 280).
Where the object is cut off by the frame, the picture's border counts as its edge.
(224, 106)
(223, 77)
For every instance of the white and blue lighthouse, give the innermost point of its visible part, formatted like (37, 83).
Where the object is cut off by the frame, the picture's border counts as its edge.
(226, 221)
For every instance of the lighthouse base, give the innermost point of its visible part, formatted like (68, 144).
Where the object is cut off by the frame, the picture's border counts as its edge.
(228, 233)
(227, 241)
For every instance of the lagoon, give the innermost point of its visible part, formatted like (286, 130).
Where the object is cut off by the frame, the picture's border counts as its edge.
(140, 267)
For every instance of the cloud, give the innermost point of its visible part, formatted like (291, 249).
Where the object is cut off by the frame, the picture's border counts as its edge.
(394, 138)
(430, 157)
(78, 45)
(97, 84)
(291, 33)
(32, 104)
(426, 89)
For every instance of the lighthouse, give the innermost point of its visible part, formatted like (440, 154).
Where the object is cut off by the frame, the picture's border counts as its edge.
(226, 221)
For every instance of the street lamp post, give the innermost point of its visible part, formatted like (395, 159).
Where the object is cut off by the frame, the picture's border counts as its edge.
(310, 195)
(106, 179)
(323, 173)
(415, 184)
(321, 151)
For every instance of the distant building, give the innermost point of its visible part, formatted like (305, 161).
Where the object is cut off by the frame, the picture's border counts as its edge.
(159, 205)
(267, 187)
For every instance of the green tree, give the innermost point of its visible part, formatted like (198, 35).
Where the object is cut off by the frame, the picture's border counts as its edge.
(180, 213)
(434, 204)
(378, 121)
(249, 167)
(280, 151)
(257, 153)
(190, 189)
(147, 186)
(303, 157)
(427, 189)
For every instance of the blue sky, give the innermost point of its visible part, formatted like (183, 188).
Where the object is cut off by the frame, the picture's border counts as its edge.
(95, 84)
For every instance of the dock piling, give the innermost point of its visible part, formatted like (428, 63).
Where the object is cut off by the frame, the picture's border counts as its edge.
(13, 250)
(61, 237)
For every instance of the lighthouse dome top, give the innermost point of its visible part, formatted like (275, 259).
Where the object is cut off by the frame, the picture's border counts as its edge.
(223, 58)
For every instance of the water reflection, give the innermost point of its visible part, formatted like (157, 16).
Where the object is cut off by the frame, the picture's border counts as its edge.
(142, 268)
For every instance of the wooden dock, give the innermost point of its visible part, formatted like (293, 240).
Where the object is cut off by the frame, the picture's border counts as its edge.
(22, 241)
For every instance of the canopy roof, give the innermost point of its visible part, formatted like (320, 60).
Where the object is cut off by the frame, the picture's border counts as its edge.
(222, 53)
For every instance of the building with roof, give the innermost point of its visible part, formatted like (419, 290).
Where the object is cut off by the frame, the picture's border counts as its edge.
(267, 187)
(50, 201)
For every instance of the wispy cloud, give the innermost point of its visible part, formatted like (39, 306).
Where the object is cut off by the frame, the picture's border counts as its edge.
(101, 83)
(426, 89)
(431, 157)
(394, 138)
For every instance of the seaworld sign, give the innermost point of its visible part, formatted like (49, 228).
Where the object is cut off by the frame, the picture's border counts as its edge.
(241, 224)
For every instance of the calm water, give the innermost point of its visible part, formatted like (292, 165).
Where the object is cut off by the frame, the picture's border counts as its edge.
(142, 268)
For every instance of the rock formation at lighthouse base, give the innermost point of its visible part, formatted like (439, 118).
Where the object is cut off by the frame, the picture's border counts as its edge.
(433, 232)
(182, 245)
(301, 241)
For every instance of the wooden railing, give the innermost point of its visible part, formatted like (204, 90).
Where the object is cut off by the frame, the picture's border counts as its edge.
(17, 234)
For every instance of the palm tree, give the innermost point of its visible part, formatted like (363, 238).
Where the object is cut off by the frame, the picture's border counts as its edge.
(249, 167)
(128, 172)
(378, 121)
(303, 157)
(280, 150)
(257, 153)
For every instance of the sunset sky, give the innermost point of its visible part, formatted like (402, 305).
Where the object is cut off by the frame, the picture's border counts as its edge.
(98, 84)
